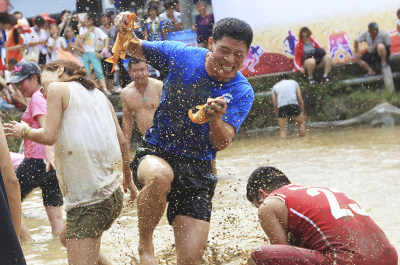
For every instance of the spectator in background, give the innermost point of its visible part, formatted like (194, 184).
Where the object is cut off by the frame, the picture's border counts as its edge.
(5, 5)
(378, 48)
(171, 19)
(177, 6)
(55, 41)
(65, 18)
(36, 41)
(74, 44)
(288, 102)
(309, 55)
(13, 95)
(153, 25)
(19, 16)
(203, 24)
(91, 36)
(398, 21)
(6, 22)
(108, 28)
(15, 44)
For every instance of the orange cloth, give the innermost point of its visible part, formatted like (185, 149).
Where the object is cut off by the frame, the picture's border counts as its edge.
(14, 53)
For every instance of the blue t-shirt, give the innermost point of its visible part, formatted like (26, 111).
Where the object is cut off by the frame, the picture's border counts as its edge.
(186, 85)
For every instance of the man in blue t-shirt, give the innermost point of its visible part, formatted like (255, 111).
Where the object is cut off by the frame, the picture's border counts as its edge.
(173, 163)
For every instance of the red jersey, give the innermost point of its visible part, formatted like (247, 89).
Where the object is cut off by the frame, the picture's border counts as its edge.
(332, 223)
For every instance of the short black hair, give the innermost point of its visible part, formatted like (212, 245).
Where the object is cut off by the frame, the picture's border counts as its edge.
(169, 4)
(373, 25)
(152, 6)
(282, 76)
(266, 178)
(6, 18)
(398, 11)
(39, 21)
(134, 60)
(65, 11)
(233, 28)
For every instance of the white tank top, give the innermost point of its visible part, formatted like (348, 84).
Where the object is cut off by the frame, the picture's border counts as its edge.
(87, 153)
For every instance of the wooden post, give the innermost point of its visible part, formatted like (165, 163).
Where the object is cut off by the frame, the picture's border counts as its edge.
(388, 78)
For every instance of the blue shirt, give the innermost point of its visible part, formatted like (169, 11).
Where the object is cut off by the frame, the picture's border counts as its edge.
(187, 85)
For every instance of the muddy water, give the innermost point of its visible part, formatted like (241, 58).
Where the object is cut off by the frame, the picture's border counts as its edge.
(363, 162)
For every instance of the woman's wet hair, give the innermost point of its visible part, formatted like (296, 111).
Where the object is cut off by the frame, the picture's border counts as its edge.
(304, 32)
(234, 28)
(74, 71)
(265, 178)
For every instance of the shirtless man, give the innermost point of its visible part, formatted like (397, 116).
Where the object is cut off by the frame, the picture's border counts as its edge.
(140, 97)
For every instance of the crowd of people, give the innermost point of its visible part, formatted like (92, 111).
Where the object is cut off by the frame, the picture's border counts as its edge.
(77, 153)
(89, 40)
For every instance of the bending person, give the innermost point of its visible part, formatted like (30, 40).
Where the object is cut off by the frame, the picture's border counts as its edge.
(313, 225)
(89, 142)
(37, 169)
(288, 102)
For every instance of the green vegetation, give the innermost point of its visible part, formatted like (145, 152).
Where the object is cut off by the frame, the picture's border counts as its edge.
(324, 102)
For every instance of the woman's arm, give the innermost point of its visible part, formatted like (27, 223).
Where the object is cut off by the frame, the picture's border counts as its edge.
(10, 182)
(48, 149)
(57, 102)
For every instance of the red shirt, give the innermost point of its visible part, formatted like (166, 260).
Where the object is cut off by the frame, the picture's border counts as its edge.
(17, 54)
(299, 53)
(329, 221)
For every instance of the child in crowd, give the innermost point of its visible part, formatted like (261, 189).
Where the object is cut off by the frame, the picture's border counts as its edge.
(74, 44)
(55, 42)
(91, 35)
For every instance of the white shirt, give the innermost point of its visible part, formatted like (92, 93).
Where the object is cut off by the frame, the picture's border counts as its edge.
(382, 37)
(94, 41)
(35, 36)
(285, 91)
(168, 23)
(61, 43)
(88, 156)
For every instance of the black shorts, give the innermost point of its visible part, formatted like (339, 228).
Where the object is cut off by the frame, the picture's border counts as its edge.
(318, 54)
(192, 188)
(373, 57)
(107, 67)
(288, 111)
(32, 174)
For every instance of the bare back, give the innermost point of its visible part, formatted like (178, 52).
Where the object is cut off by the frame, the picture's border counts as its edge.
(143, 106)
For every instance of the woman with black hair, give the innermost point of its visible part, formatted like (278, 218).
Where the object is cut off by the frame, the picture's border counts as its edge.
(15, 43)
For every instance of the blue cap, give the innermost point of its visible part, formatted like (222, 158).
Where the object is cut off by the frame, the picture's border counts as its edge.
(23, 70)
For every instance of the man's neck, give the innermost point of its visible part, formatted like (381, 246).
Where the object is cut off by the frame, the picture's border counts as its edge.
(141, 87)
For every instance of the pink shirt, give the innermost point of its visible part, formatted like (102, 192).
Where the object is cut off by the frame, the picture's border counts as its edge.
(37, 106)
(16, 159)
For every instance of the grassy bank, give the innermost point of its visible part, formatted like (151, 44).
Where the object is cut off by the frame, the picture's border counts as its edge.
(324, 102)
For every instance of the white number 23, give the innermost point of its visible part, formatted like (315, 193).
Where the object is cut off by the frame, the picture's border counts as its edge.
(336, 211)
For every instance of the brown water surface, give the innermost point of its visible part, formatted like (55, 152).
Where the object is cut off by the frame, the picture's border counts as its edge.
(362, 162)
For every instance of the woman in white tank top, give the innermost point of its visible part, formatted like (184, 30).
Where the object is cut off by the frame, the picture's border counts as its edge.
(82, 124)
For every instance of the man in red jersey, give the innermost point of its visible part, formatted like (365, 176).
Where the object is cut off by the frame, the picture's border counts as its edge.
(313, 225)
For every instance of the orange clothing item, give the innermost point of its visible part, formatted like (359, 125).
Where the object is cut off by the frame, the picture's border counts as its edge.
(17, 54)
